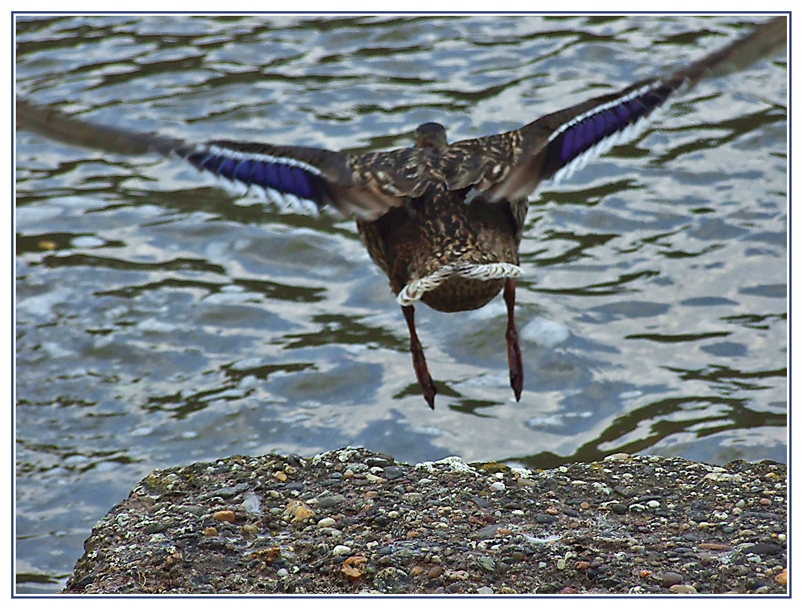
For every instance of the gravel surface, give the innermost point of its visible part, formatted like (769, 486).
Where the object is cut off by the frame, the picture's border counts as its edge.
(352, 521)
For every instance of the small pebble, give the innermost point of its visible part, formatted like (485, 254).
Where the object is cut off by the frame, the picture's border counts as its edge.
(488, 532)
(670, 578)
(458, 575)
(762, 548)
(392, 472)
(682, 589)
(326, 522)
(330, 501)
(298, 512)
(435, 571)
(340, 550)
(484, 590)
(354, 567)
(224, 516)
(251, 503)
(718, 547)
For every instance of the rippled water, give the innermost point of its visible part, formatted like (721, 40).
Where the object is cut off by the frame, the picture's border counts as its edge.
(161, 321)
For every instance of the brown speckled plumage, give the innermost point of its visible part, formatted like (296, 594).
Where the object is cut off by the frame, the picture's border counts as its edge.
(439, 227)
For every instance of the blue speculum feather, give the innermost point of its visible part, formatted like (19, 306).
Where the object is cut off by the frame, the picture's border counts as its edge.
(243, 170)
(276, 176)
(586, 133)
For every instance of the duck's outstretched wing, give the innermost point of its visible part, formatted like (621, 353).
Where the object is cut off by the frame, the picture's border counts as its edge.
(510, 165)
(293, 175)
(301, 178)
(507, 166)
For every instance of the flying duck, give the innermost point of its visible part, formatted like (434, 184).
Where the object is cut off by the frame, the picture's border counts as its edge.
(442, 220)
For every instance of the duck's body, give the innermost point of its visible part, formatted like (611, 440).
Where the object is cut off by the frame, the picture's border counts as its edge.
(442, 231)
(443, 221)
(441, 236)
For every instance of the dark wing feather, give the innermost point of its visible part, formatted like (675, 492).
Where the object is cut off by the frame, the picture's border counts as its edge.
(365, 186)
(557, 144)
(510, 165)
(287, 174)
(55, 124)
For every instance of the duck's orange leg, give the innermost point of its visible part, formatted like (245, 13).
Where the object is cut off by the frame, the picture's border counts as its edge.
(513, 348)
(418, 360)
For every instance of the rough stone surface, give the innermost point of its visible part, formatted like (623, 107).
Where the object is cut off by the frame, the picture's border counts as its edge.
(352, 521)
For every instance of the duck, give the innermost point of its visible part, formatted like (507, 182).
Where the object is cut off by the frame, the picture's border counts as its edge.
(443, 221)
